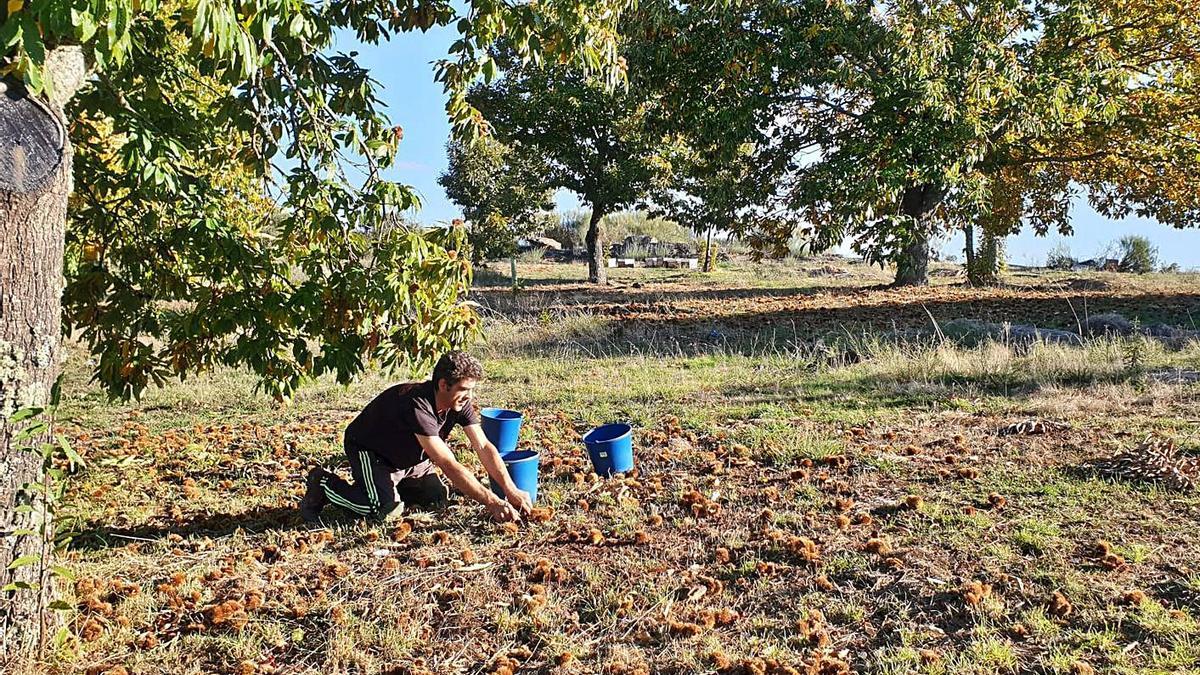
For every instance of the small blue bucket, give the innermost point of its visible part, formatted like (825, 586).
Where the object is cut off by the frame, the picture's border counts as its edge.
(502, 427)
(611, 448)
(522, 466)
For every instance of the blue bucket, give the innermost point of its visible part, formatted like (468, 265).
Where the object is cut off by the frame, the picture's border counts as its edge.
(611, 448)
(522, 466)
(501, 427)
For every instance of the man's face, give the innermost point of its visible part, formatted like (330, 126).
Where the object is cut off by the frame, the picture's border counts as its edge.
(459, 395)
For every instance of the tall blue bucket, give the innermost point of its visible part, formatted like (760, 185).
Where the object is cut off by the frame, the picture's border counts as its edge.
(611, 448)
(502, 427)
(522, 466)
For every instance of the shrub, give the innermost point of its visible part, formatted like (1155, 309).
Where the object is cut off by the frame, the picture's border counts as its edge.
(1059, 257)
(566, 232)
(1138, 255)
(736, 246)
(636, 251)
(572, 228)
(619, 225)
(801, 247)
(533, 255)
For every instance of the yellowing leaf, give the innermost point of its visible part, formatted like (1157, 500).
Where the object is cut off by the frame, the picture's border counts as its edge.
(15, 6)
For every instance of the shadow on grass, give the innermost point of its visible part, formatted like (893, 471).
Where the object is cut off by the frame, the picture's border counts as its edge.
(572, 293)
(489, 280)
(817, 311)
(258, 519)
(740, 322)
(840, 395)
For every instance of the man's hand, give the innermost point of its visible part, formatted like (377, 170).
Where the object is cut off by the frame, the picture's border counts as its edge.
(490, 458)
(501, 511)
(520, 500)
(464, 481)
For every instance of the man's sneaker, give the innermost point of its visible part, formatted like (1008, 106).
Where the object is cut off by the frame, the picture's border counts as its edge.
(396, 513)
(314, 496)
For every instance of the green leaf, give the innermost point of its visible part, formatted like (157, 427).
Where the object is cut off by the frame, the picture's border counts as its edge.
(23, 561)
(62, 637)
(268, 27)
(60, 571)
(33, 76)
(10, 33)
(30, 431)
(70, 453)
(32, 40)
(61, 606)
(24, 414)
(84, 24)
(18, 586)
(56, 19)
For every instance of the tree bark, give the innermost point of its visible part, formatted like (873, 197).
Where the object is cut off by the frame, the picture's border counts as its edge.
(912, 264)
(969, 249)
(32, 226)
(597, 271)
(708, 252)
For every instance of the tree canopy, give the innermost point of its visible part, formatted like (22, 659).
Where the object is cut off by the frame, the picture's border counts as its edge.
(593, 140)
(891, 123)
(231, 207)
(502, 194)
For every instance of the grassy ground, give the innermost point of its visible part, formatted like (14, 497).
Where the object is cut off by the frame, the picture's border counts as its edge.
(818, 506)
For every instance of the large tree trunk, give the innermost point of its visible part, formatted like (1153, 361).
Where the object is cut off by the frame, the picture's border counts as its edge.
(912, 267)
(597, 271)
(912, 264)
(33, 214)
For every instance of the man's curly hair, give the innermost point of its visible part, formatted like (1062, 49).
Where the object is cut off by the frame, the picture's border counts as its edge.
(454, 367)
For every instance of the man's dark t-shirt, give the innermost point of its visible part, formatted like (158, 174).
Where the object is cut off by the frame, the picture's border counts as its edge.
(390, 423)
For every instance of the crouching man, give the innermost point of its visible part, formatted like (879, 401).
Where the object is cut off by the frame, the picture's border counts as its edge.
(400, 437)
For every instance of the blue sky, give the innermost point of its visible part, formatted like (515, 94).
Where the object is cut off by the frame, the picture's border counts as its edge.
(404, 70)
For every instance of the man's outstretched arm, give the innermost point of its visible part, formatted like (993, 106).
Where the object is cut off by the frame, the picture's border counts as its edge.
(439, 453)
